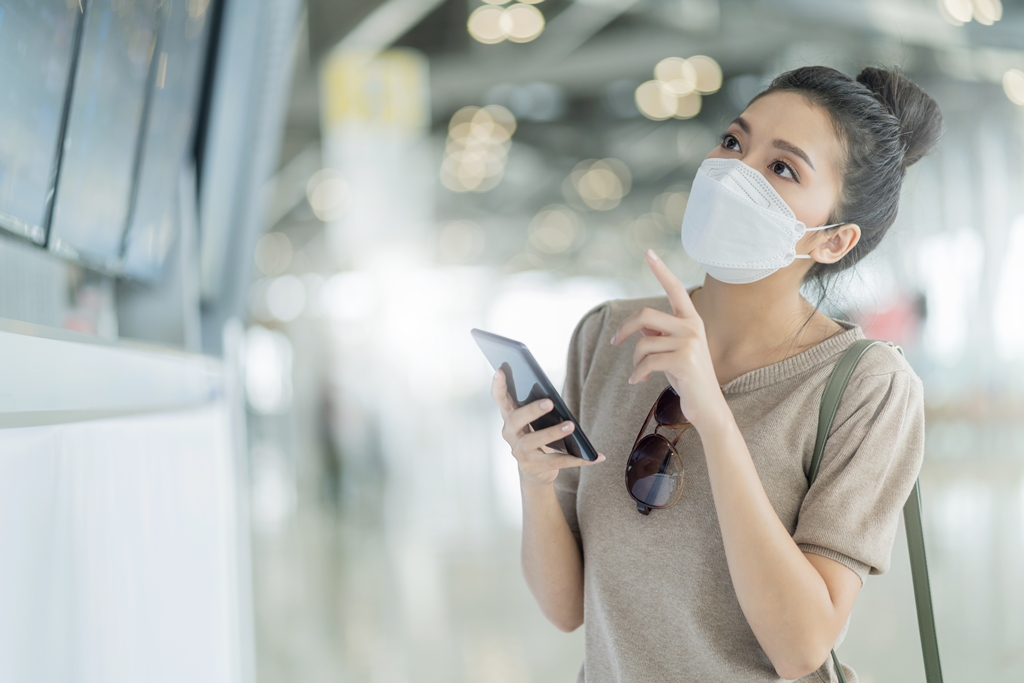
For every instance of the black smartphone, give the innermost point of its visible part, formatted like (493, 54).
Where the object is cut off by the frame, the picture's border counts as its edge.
(528, 383)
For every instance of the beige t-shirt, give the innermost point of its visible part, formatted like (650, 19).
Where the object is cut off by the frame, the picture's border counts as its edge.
(659, 602)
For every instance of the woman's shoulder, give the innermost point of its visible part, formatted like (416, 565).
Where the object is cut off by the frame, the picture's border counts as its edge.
(883, 367)
(884, 359)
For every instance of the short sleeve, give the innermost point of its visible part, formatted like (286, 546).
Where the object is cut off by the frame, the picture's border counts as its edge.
(871, 460)
(580, 358)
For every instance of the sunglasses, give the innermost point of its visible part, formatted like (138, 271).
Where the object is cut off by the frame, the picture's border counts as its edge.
(654, 471)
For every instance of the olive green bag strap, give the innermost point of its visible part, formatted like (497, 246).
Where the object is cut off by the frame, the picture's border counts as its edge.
(911, 511)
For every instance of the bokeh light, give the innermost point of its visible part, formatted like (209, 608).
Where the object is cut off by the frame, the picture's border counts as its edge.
(987, 12)
(268, 370)
(687, 106)
(273, 253)
(653, 102)
(286, 298)
(676, 75)
(677, 87)
(536, 101)
(485, 24)
(554, 229)
(648, 231)
(518, 23)
(523, 23)
(960, 12)
(477, 148)
(600, 184)
(523, 262)
(708, 73)
(329, 194)
(672, 205)
(1013, 86)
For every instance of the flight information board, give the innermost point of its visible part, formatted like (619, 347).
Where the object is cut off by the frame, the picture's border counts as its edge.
(180, 54)
(100, 153)
(37, 42)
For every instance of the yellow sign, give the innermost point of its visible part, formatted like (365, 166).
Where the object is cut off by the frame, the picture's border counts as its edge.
(389, 88)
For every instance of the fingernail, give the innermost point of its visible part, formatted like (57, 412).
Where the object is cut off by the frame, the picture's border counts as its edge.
(600, 457)
(567, 426)
(613, 339)
(496, 373)
(631, 380)
(546, 404)
(651, 255)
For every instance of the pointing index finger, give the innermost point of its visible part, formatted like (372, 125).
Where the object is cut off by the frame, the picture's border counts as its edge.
(682, 306)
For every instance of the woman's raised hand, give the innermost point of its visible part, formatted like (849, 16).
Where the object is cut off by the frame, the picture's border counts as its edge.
(675, 343)
(538, 464)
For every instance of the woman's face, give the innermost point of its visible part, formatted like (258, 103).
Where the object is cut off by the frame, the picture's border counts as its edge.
(795, 146)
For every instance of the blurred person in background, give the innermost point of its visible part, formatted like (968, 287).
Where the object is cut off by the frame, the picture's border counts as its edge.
(738, 570)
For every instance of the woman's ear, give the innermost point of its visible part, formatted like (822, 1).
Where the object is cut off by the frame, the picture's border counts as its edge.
(837, 245)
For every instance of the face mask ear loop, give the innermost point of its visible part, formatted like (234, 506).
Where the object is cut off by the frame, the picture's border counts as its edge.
(823, 227)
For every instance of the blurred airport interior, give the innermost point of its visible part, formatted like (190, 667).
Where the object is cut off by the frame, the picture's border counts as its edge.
(246, 433)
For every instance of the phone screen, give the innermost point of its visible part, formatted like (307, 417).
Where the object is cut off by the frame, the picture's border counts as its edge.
(527, 383)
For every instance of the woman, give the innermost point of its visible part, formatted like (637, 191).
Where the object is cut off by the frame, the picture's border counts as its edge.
(735, 569)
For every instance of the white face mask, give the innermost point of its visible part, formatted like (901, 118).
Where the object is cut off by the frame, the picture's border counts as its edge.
(737, 226)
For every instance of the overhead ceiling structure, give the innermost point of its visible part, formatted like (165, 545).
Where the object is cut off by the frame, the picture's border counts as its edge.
(329, 21)
(590, 42)
(572, 88)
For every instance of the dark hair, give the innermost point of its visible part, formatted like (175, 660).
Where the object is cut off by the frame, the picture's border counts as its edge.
(885, 123)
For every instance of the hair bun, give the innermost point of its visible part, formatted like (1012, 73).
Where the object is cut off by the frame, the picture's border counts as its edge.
(918, 114)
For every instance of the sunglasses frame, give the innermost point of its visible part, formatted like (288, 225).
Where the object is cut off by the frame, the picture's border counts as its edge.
(641, 507)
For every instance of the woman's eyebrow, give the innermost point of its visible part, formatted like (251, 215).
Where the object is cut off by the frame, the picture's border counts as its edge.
(793, 149)
(778, 144)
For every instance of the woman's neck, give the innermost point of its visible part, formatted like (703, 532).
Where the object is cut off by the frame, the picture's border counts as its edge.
(749, 327)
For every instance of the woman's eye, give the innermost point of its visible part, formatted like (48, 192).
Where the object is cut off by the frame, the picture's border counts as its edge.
(730, 142)
(781, 168)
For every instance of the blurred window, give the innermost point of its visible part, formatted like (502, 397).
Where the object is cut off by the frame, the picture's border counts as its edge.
(179, 54)
(100, 147)
(37, 41)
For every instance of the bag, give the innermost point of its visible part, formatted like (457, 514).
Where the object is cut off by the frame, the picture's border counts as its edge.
(911, 511)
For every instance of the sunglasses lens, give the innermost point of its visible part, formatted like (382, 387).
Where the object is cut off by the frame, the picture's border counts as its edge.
(668, 412)
(654, 475)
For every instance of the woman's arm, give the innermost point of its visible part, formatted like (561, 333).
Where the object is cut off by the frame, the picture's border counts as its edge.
(796, 603)
(552, 563)
(551, 559)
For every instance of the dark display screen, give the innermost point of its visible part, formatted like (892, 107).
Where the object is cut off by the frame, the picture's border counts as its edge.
(94, 188)
(37, 41)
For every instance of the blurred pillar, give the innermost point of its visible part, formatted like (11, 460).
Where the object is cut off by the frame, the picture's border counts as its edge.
(245, 121)
(376, 195)
(375, 118)
(995, 215)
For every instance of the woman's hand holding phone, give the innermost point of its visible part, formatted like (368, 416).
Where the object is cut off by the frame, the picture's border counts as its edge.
(538, 463)
(552, 560)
